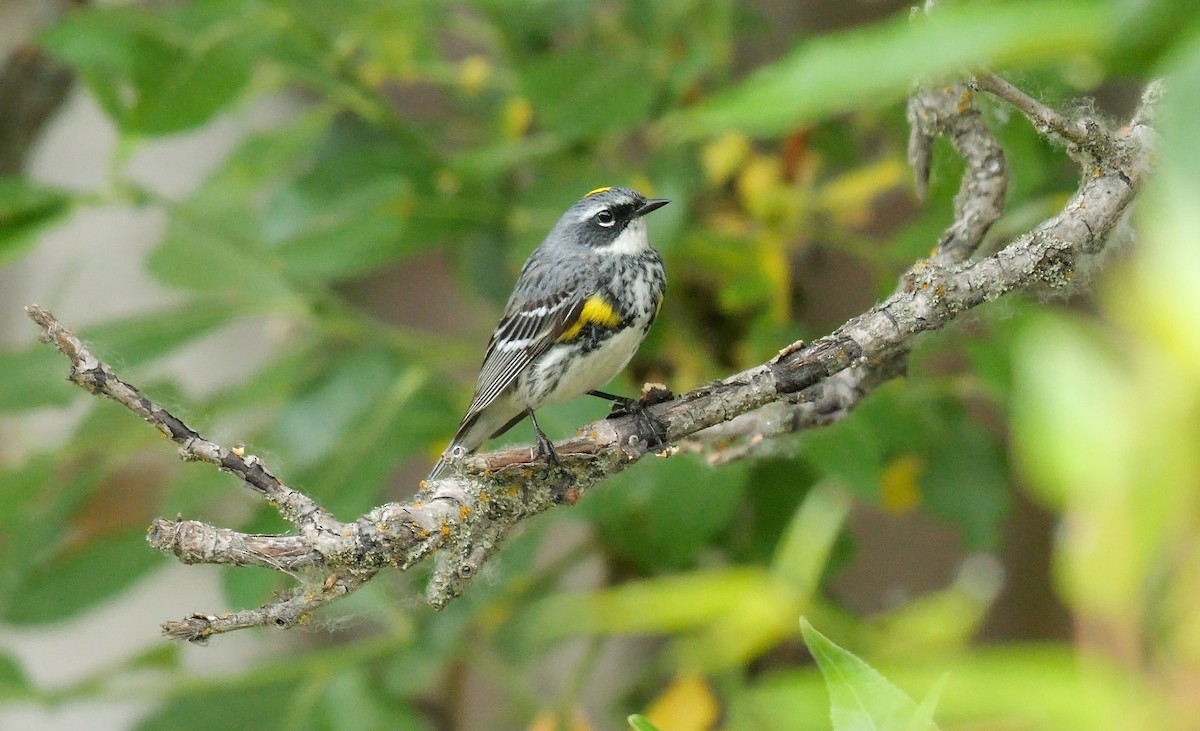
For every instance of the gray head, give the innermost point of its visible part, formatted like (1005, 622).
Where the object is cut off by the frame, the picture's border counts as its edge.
(608, 220)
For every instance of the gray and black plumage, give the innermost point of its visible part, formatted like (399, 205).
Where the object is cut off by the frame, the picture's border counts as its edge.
(581, 306)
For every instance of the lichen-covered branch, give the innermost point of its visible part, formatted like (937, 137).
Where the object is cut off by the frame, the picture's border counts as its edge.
(465, 516)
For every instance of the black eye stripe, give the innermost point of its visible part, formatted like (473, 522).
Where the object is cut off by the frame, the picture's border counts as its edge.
(619, 212)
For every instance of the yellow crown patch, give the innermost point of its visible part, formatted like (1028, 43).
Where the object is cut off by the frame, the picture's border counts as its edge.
(591, 193)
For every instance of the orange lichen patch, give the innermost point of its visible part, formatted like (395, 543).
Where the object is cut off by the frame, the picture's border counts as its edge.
(418, 505)
(463, 512)
(512, 490)
(965, 101)
(422, 485)
(445, 529)
(483, 496)
(939, 290)
(422, 534)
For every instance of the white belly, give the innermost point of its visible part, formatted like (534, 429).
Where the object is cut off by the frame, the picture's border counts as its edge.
(590, 371)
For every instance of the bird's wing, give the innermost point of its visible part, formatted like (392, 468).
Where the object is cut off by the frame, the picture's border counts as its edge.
(525, 332)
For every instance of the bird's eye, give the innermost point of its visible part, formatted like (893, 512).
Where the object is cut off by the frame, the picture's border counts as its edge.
(605, 218)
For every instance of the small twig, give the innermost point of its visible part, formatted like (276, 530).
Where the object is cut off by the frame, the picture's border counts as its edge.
(1088, 135)
(754, 434)
(95, 376)
(295, 609)
(950, 111)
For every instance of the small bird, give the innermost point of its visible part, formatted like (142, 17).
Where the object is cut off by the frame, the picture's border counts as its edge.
(581, 307)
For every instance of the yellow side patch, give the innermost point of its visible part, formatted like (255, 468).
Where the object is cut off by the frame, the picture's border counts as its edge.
(591, 193)
(596, 311)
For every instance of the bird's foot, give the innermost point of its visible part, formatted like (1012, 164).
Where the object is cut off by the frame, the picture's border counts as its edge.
(543, 450)
(639, 409)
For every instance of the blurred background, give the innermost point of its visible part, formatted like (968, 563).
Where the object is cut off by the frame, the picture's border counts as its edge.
(295, 222)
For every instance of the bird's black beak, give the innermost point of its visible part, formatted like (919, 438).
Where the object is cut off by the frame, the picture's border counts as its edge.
(651, 205)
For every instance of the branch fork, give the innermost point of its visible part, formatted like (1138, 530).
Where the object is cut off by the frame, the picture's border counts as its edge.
(465, 516)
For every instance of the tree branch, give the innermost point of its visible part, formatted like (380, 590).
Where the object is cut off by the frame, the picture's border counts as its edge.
(467, 515)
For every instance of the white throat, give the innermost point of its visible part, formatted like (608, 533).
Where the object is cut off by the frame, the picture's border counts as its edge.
(632, 240)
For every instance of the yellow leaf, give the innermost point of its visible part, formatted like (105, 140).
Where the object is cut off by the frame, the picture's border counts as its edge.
(723, 156)
(517, 116)
(550, 721)
(473, 73)
(760, 187)
(847, 198)
(687, 704)
(900, 483)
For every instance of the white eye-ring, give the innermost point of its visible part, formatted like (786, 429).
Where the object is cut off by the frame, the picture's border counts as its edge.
(605, 218)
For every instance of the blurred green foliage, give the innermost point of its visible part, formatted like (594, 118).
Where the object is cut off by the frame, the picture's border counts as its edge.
(455, 133)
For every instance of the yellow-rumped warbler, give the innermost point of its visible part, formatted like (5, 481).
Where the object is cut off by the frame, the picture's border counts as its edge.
(580, 309)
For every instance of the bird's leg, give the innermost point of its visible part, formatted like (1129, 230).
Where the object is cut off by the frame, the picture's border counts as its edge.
(640, 411)
(545, 449)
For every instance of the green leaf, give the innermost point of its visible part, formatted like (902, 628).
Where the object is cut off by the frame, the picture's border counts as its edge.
(875, 66)
(36, 499)
(849, 450)
(34, 376)
(215, 242)
(13, 681)
(142, 338)
(79, 576)
(663, 605)
(860, 698)
(352, 700)
(159, 72)
(585, 91)
(100, 44)
(26, 208)
(364, 200)
(1014, 686)
(923, 718)
(246, 587)
(804, 549)
(358, 455)
(227, 709)
(654, 516)
(966, 482)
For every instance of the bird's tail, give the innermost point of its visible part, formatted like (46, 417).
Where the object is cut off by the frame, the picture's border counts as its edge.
(441, 465)
(474, 431)
(466, 440)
